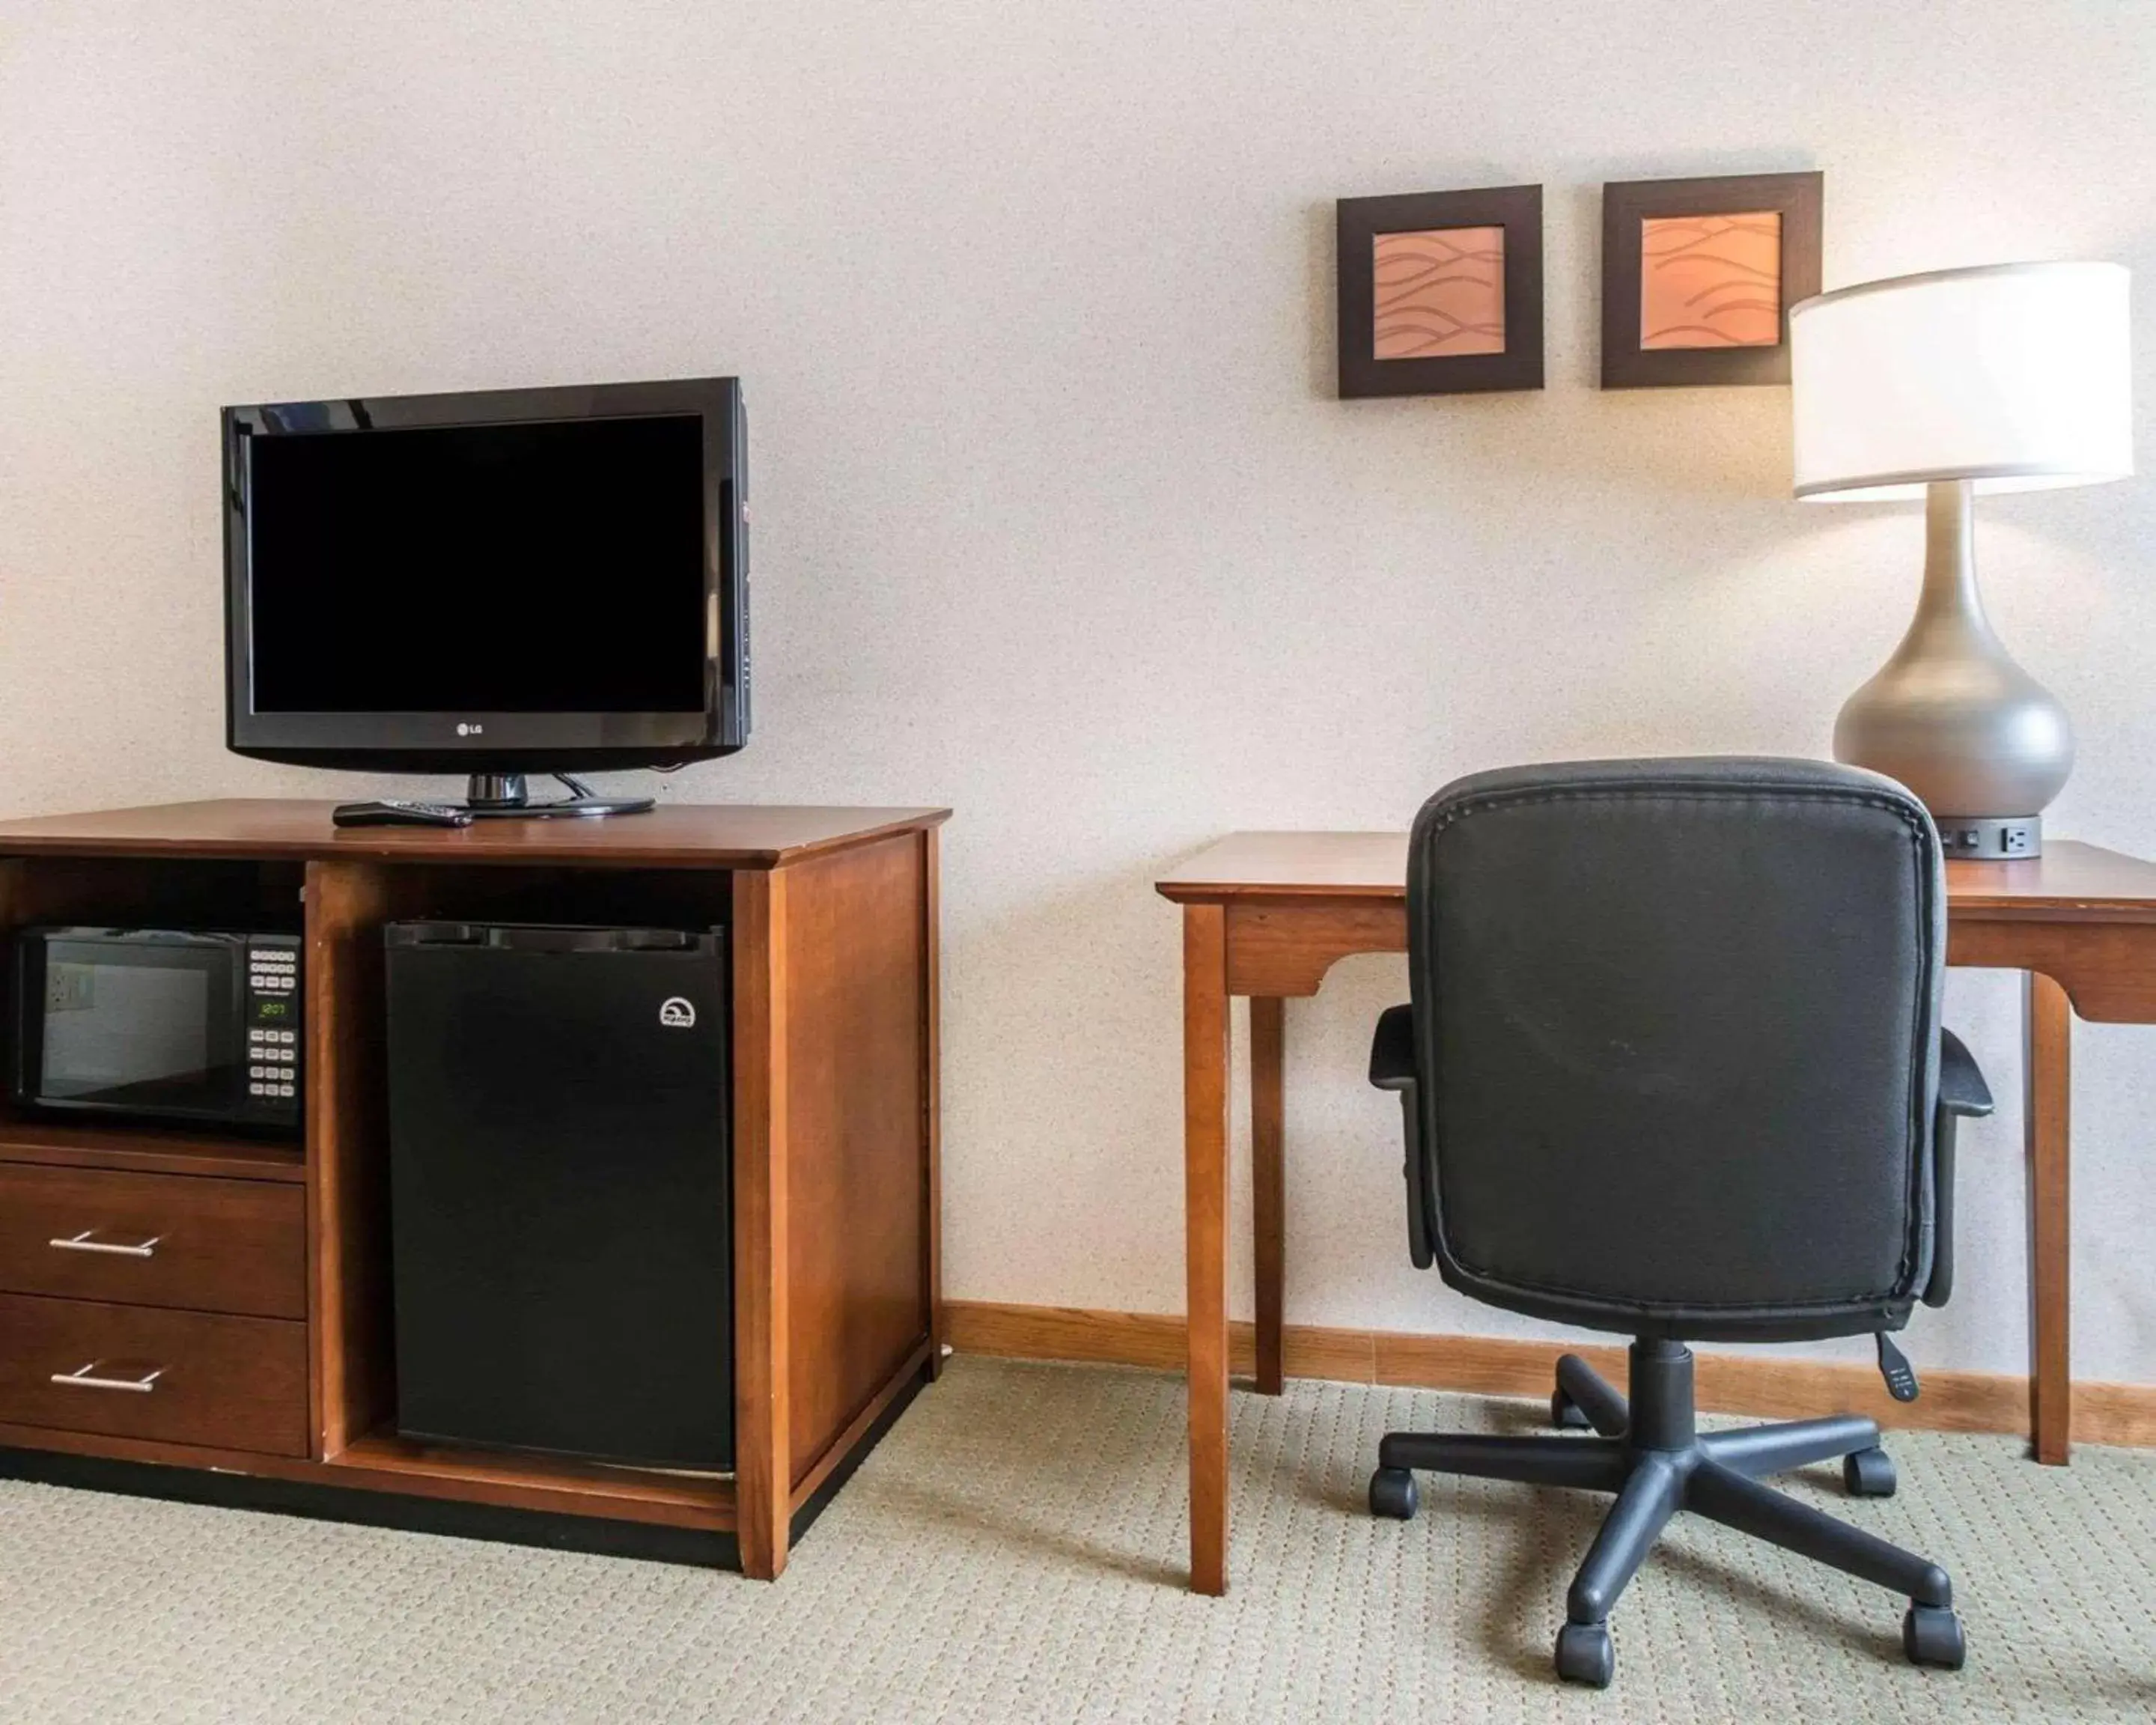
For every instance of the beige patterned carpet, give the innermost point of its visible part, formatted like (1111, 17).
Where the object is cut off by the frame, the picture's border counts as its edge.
(1014, 1553)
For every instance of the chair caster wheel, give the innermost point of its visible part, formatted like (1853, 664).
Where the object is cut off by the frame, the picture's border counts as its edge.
(1868, 1473)
(1566, 1413)
(1392, 1494)
(1931, 1635)
(1584, 1655)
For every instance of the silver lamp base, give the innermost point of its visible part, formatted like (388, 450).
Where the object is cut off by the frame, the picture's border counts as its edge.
(1983, 745)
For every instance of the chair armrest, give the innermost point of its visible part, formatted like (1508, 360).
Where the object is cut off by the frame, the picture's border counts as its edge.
(1392, 1067)
(1392, 1050)
(1962, 1088)
(1962, 1091)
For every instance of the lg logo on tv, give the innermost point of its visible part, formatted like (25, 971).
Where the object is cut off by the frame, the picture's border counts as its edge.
(471, 729)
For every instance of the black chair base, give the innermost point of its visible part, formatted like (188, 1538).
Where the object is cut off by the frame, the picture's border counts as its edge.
(1648, 1455)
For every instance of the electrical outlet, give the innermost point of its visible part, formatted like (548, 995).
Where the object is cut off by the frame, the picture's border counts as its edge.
(2018, 841)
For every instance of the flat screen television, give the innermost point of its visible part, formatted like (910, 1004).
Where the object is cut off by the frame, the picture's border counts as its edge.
(495, 584)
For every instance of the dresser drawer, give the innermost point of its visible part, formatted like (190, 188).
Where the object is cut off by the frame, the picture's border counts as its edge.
(135, 1371)
(154, 1240)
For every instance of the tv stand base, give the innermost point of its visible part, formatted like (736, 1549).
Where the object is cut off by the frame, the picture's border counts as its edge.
(497, 796)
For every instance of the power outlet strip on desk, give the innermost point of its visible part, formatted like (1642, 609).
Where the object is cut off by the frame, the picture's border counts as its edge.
(261, 1320)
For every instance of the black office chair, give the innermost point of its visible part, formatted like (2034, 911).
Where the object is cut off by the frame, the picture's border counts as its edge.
(1674, 1067)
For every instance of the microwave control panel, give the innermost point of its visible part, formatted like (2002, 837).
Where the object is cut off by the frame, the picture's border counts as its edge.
(273, 1021)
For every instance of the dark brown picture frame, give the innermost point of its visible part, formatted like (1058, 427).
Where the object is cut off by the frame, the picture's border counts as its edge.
(1799, 198)
(1519, 210)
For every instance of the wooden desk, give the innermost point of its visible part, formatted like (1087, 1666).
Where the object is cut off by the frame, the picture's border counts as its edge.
(1265, 915)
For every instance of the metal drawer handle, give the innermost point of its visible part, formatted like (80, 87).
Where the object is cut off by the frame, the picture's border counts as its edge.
(85, 1378)
(82, 1242)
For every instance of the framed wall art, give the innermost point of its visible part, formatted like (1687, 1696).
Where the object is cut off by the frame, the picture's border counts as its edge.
(1441, 292)
(1698, 277)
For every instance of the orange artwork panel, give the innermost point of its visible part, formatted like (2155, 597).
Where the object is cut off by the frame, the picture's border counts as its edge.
(1711, 281)
(1439, 292)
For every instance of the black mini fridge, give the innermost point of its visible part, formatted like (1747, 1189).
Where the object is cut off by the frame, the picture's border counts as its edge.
(559, 1192)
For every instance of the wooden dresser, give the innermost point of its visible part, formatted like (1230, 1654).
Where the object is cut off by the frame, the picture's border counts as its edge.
(206, 1315)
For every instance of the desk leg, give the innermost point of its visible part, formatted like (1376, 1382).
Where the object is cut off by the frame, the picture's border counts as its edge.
(1205, 1235)
(1268, 1180)
(2047, 1068)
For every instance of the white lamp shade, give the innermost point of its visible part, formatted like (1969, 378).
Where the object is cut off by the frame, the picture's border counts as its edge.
(2014, 376)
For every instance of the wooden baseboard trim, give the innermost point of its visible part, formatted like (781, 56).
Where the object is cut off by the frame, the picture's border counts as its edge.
(1489, 1365)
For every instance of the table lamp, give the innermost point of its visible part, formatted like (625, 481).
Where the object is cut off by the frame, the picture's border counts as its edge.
(2003, 378)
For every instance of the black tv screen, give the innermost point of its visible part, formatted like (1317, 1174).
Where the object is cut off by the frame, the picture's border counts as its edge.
(515, 581)
(463, 569)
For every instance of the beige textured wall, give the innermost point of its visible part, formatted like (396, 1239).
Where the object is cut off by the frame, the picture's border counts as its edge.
(1057, 521)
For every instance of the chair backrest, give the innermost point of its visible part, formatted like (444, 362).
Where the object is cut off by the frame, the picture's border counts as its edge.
(1676, 1031)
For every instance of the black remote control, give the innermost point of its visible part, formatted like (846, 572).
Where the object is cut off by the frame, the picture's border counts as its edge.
(395, 812)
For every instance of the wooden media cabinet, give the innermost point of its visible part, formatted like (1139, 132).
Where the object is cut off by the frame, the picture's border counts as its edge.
(265, 1305)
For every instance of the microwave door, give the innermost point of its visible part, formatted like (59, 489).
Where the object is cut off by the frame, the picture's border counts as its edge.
(149, 1027)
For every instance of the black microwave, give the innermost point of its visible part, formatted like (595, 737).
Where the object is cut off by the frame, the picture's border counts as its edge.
(160, 1023)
